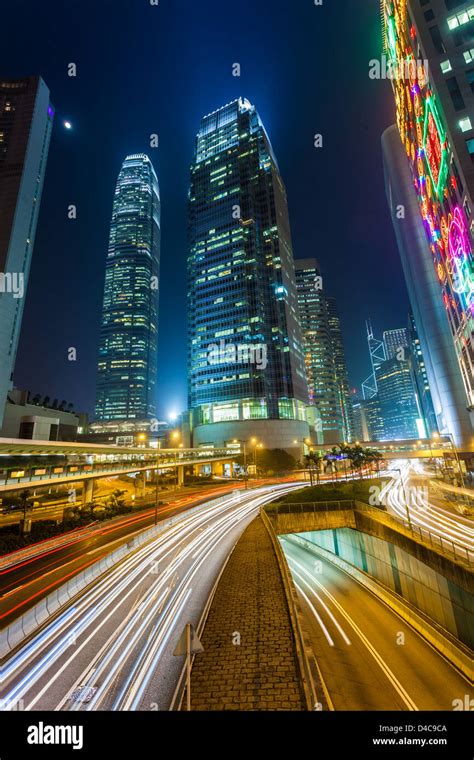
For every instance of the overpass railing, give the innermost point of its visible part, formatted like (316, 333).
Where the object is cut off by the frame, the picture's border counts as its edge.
(426, 536)
(24, 474)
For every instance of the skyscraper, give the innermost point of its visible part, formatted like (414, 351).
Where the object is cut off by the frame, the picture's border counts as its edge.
(319, 351)
(26, 119)
(396, 397)
(394, 340)
(246, 364)
(430, 49)
(420, 378)
(342, 377)
(127, 366)
(377, 356)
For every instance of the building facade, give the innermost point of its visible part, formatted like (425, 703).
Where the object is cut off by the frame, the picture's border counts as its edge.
(397, 401)
(246, 363)
(26, 120)
(420, 378)
(127, 365)
(395, 342)
(344, 391)
(430, 49)
(319, 352)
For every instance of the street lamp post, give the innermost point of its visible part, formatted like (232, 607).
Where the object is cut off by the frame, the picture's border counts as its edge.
(156, 481)
(236, 440)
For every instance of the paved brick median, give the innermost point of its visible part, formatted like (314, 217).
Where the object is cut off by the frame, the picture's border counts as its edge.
(261, 672)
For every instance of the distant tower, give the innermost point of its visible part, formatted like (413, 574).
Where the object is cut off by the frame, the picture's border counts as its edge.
(319, 351)
(377, 356)
(126, 385)
(342, 377)
(394, 341)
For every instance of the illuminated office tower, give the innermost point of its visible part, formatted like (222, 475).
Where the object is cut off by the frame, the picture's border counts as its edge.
(397, 400)
(420, 378)
(345, 398)
(319, 353)
(127, 366)
(394, 340)
(26, 120)
(430, 49)
(246, 365)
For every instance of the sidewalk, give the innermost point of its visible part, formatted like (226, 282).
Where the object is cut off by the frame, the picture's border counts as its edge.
(250, 605)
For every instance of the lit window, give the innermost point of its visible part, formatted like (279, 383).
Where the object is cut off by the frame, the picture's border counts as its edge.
(446, 66)
(461, 18)
(465, 124)
(469, 55)
(470, 147)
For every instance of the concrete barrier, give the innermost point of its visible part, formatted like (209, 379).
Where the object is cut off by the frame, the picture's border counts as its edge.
(15, 633)
(450, 647)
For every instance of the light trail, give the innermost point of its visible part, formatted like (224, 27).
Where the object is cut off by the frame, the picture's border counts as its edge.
(117, 632)
(438, 521)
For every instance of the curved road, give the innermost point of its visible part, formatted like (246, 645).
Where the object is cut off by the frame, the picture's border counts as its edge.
(115, 643)
(357, 642)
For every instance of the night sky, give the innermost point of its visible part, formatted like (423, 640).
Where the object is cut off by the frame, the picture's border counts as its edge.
(145, 69)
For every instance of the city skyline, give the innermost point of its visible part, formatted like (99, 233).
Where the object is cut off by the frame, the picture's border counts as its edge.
(347, 283)
(237, 370)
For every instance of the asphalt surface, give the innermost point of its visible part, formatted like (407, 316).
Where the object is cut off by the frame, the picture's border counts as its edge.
(37, 570)
(357, 639)
(116, 641)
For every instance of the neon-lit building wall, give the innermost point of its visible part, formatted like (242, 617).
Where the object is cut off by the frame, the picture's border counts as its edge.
(430, 50)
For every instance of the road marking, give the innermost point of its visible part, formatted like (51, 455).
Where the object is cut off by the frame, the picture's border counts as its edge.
(377, 657)
(316, 615)
(323, 604)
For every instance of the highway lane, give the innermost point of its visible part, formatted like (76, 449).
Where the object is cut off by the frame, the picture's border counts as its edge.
(33, 572)
(424, 513)
(118, 638)
(356, 639)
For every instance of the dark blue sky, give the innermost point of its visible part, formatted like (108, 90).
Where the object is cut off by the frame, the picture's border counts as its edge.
(145, 69)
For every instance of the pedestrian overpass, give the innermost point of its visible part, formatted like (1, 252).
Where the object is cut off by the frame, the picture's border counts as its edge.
(35, 464)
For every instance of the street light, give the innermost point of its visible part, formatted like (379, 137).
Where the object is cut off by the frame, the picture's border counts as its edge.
(237, 440)
(257, 446)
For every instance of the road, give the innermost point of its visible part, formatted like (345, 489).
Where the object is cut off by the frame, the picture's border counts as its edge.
(118, 638)
(31, 573)
(427, 512)
(356, 641)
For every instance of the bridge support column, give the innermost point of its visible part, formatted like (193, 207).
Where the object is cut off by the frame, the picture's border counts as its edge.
(140, 485)
(180, 475)
(87, 491)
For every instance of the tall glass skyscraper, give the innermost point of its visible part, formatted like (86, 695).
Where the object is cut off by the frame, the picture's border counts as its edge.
(395, 342)
(26, 120)
(127, 367)
(342, 376)
(429, 172)
(397, 400)
(246, 364)
(324, 353)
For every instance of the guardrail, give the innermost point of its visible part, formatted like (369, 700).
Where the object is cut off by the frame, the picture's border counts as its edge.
(309, 671)
(24, 626)
(426, 536)
(79, 471)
